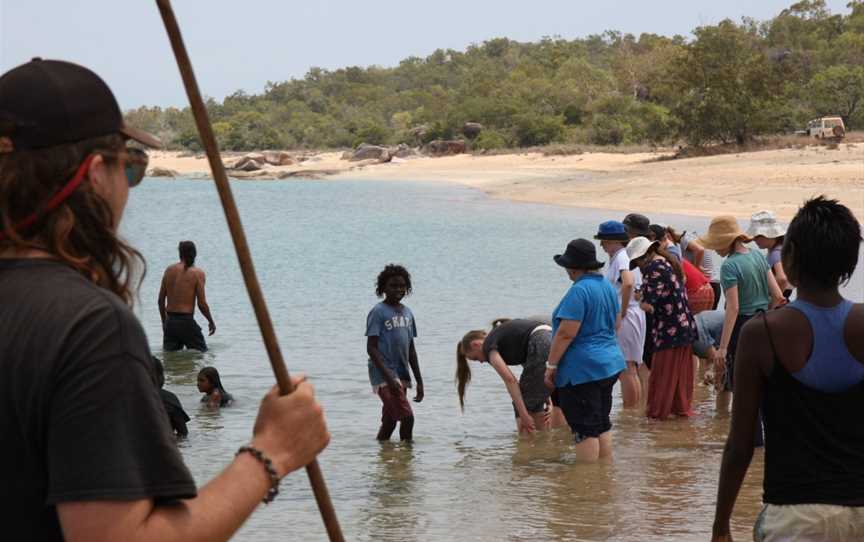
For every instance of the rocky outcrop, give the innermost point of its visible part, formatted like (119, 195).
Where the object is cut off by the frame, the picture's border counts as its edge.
(162, 172)
(370, 152)
(250, 162)
(404, 151)
(277, 158)
(419, 132)
(259, 175)
(308, 174)
(441, 147)
(472, 129)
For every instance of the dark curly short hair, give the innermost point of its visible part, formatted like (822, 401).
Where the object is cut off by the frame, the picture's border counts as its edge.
(824, 239)
(390, 271)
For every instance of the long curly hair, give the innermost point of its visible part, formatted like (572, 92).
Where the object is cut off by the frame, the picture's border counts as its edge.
(81, 231)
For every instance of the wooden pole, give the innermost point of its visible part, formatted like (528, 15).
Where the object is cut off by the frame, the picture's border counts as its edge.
(316, 479)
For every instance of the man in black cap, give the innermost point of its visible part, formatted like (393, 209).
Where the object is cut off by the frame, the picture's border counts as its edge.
(637, 225)
(87, 451)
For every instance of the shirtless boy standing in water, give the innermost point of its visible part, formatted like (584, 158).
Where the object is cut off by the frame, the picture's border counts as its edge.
(182, 285)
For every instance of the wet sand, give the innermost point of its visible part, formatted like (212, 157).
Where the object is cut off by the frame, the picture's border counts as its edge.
(738, 184)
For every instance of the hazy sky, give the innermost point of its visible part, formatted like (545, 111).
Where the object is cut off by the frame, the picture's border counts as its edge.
(242, 45)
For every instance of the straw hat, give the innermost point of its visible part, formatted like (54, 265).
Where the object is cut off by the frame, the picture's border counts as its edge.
(638, 247)
(722, 232)
(764, 223)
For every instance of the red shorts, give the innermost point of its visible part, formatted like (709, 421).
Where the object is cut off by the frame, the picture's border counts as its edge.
(395, 406)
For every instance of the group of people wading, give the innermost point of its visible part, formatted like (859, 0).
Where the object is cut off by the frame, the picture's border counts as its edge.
(88, 453)
(799, 368)
(637, 323)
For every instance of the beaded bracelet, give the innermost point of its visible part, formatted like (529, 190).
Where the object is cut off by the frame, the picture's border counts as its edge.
(271, 471)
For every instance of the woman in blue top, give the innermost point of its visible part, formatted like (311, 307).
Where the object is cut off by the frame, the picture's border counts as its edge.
(804, 365)
(584, 360)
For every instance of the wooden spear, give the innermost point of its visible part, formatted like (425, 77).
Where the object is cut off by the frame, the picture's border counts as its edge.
(319, 488)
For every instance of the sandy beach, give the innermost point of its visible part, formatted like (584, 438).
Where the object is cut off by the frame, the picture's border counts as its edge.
(737, 184)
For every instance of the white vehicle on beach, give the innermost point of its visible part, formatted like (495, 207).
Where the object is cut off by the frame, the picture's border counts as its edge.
(826, 128)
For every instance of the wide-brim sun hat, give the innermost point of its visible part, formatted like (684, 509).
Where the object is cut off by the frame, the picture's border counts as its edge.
(764, 223)
(722, 232)
(638, 247)
(579, 254)
(612, 230)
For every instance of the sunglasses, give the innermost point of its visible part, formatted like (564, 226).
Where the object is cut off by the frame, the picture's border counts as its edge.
(134, 163)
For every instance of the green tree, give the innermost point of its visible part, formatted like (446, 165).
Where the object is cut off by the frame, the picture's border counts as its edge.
(533, 129)
(725, 84)
(838, 90)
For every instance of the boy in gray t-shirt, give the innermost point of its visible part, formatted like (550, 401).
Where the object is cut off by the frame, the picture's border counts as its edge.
(390, 333)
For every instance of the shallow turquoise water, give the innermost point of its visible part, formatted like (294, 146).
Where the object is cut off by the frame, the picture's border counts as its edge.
(318, 247)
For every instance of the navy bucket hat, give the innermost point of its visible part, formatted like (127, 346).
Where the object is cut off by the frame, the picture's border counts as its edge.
(612, 230)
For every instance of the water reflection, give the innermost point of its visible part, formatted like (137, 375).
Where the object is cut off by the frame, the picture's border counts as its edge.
(181, 367)
(393, 497)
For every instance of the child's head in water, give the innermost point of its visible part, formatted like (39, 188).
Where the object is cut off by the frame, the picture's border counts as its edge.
(210, 384)
(393, 283)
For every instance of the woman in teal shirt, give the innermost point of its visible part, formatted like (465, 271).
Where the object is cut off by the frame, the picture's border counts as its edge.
(584, 360)
(749, 287)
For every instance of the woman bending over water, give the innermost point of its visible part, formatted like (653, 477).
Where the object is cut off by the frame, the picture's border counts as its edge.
(804, 365)
(522, 342)
(210, 385)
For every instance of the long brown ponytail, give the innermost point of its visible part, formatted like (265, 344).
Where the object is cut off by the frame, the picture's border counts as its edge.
(463, 371)
(673, 261)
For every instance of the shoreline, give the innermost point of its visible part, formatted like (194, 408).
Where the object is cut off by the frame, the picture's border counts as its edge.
(738, 184)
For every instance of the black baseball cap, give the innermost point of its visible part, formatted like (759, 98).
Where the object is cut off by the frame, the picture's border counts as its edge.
(44, 103)
(637, 225)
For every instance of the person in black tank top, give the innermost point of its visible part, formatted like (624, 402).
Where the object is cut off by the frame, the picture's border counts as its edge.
(524, 342)
(804, 365)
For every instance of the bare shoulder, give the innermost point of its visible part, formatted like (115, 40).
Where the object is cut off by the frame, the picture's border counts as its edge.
(854, 332)
(856, 316)
(170, 270)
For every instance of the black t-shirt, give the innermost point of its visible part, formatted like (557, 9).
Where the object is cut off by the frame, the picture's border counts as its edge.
(176, 415)
(80, 417)
(510, 339)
